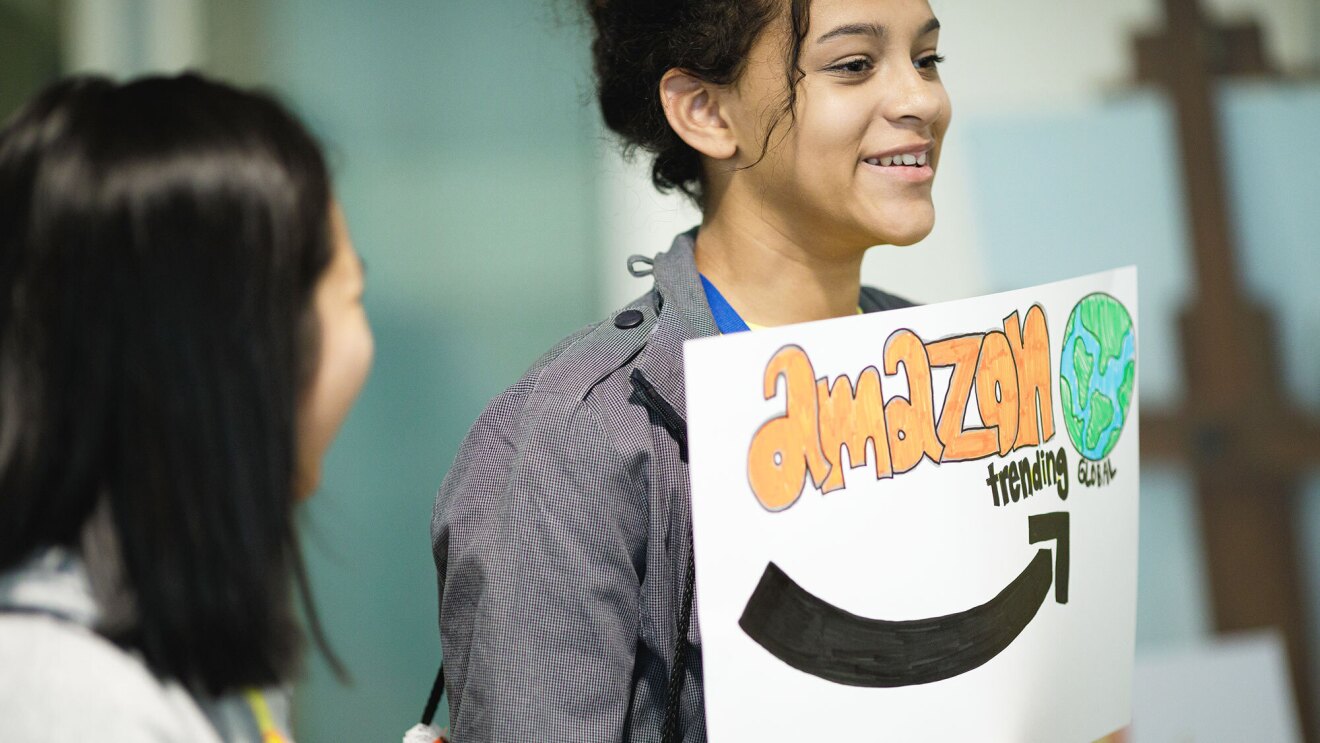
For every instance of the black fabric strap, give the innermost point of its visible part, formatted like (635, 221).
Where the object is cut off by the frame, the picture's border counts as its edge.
(433, 702)
(678, 672)
(677, 427)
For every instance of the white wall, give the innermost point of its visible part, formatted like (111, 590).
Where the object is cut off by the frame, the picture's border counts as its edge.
(133, 37)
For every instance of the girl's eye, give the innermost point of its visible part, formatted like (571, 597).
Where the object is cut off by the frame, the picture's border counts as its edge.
(853, 66)
(928, 62)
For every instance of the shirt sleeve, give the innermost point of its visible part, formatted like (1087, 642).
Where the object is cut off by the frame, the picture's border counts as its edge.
(539, 536)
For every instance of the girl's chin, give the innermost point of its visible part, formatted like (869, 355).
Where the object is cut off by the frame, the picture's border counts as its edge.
(911, 238)
(905, 232)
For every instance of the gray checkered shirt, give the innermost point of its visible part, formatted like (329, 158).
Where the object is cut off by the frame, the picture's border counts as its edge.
(561, 535)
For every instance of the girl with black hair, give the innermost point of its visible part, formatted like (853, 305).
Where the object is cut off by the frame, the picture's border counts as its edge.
(181, 335)
(807, 131)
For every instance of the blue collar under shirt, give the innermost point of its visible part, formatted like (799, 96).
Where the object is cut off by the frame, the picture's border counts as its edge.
(727, 318)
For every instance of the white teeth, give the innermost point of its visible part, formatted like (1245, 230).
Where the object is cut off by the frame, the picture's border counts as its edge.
(908, 160)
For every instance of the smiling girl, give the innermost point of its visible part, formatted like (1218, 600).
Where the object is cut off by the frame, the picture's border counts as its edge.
(807, 132)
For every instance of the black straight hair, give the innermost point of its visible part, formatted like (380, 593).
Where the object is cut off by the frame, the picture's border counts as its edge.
(160, 244)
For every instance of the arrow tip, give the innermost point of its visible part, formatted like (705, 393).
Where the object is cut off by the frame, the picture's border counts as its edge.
(1053, 526)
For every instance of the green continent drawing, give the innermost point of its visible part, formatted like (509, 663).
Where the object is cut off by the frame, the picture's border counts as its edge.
(1097, 374)
(1107, 321)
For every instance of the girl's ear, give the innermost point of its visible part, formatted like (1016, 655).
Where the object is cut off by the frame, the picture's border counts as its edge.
(693, 108)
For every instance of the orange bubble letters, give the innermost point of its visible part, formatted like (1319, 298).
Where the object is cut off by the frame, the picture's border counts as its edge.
(1031, 354)
(1009, 371)
(784, 448)
(960, 444)
(996, 389)
(911, 420)
(851, 417)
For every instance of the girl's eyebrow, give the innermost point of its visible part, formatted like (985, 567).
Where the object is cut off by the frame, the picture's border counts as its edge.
(853, 29)
(871, 29)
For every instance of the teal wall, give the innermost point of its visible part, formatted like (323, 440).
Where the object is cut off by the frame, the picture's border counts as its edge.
(463, 148)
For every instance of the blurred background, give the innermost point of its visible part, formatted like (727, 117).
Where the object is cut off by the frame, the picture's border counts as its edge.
(494, 217)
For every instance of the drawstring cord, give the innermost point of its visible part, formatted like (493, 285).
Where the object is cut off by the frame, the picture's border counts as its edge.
(426, 731)
(633, 260)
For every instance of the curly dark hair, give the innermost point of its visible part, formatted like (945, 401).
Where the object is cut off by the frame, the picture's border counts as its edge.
(637, 41)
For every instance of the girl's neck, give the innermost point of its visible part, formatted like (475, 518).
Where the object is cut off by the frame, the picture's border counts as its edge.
(772, 277)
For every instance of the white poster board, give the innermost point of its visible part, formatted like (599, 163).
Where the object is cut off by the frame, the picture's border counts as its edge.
(956, 563)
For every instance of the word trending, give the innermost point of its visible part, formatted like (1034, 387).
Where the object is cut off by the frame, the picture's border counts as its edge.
(1014, 481)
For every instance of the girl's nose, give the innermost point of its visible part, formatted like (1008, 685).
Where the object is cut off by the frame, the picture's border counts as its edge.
(915, 99)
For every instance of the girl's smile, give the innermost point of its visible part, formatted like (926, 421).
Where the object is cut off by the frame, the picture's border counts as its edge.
(912, 163)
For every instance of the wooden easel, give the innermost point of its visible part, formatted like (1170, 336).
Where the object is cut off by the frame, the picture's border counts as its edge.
(1247, 446)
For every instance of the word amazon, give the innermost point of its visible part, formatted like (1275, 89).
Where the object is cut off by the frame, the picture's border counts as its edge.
(1009, 371)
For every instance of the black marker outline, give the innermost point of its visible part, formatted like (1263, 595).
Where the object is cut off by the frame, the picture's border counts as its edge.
(816, 637)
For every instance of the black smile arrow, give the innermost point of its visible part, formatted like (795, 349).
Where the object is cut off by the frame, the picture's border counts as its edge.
(821, 639)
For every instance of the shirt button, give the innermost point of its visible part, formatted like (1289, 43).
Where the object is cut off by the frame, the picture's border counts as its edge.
(628, 319)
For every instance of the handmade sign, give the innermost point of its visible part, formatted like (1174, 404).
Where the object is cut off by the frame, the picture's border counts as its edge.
(921, 525)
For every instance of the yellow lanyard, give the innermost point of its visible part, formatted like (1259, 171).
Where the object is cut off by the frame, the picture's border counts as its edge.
(265, 723)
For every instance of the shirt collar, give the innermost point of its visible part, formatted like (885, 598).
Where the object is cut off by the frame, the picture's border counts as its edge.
(51, 581)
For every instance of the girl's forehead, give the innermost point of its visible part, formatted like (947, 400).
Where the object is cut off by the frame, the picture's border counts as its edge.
(885, 16)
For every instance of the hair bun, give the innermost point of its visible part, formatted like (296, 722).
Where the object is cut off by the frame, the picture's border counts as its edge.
(638, 41)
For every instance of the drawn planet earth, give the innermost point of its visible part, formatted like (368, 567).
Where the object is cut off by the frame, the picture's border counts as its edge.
(1097, 374)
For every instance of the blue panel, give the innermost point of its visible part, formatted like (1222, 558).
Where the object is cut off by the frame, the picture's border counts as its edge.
(1273, 145)
(1061, 196)
(1172, 589)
